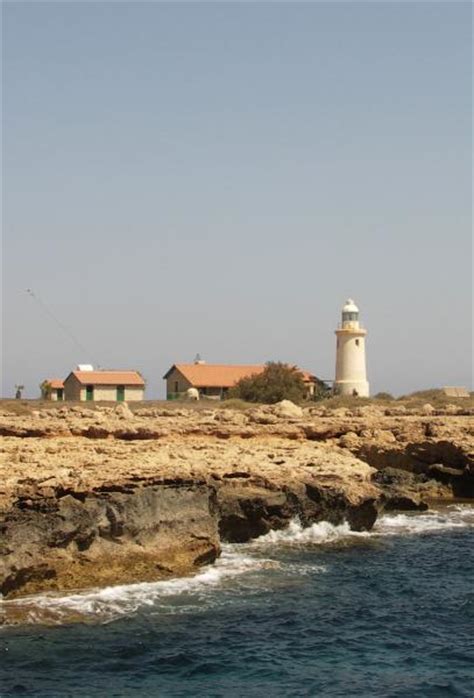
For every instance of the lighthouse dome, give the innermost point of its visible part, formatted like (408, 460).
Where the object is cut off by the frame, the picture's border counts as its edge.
(350, 307)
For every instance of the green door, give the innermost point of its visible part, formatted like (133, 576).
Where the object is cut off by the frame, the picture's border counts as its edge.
(89, 392)
(120, 393)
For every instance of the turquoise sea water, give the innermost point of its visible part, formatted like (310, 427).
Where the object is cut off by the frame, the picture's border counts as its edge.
(319, 612)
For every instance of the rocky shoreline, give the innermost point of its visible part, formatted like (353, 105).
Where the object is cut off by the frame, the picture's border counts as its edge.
(93, 497)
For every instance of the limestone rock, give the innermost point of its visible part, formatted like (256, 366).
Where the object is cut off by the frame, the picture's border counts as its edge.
(123, 411)
(91, 495)
(400, 490)
(286, 408)
(262, 416)
(349, 440)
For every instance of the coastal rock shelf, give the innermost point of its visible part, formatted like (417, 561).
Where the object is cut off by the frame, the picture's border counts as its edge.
(94, 497)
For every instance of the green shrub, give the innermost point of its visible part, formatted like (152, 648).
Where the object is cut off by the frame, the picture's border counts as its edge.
(383, 396)
(278, 381)
(322, 391)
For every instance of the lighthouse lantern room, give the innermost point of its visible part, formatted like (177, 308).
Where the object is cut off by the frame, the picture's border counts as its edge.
(351, 373)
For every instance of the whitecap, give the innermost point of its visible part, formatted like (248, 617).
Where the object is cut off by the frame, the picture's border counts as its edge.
(112, 602)
(322, 533)
(448, 518)
(295, 534)
(180, 595)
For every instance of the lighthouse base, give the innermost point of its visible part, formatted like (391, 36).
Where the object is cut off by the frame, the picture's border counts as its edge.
(356, 388)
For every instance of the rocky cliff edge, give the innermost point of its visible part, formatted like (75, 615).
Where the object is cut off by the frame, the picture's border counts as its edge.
(93, 497)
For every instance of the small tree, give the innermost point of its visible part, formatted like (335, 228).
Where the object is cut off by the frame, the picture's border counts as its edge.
(277, 382)
(322, 391)
(45, 388)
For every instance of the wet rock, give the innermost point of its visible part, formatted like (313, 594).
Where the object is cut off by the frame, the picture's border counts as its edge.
(404, 501)
(461, 481)
(363, 516)
(108, 538)
(249, 512)
(401, 490)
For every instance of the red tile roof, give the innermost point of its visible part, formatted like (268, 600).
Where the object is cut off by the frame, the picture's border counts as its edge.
(221, 375)
(308, 377)
(108, 378)
(55, 383)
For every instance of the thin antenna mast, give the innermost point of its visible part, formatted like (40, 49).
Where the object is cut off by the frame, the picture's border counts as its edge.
(61, 325)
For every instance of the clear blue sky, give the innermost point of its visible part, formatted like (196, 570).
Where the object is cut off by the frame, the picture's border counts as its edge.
(219, 177)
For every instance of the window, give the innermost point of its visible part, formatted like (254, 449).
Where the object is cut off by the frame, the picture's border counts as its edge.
(357, 342)
(176, 387)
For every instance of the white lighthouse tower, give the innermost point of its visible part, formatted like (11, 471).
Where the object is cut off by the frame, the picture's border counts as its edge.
(351, 373)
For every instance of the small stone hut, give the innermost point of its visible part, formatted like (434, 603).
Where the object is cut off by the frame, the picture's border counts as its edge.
(117, 386)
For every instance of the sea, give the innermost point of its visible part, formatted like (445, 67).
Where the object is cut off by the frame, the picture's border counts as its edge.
(320, 611)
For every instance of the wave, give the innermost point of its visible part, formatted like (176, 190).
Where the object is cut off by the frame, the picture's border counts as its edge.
(181, 595)
(319, 533)
(447, 519)
(110, 603)
(322, 533)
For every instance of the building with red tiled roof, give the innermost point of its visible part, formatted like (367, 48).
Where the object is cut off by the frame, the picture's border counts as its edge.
(214, 380)
(104, 385)
(52, 389)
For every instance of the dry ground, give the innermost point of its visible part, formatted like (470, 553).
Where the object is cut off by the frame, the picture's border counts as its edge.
(434, 397)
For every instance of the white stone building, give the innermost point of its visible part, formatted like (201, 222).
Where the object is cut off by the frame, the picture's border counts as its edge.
(117, 386)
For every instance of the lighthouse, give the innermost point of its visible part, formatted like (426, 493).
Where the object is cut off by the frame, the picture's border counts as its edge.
(351, 373)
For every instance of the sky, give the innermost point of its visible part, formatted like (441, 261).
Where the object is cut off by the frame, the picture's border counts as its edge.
(217, 178)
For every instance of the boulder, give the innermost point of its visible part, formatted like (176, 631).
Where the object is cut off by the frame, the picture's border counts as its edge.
(401, 490)
(349, 440)
(286, 408)
(427, 409)
(123, 411)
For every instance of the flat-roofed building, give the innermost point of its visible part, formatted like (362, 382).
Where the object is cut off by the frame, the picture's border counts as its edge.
(214, 380)
(117, 386)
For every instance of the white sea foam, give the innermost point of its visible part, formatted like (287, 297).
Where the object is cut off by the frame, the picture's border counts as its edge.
(237, 562)
(319, 533)
(448, 518)
(112, 602)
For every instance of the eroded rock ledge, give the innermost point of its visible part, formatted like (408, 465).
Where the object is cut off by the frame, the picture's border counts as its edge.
(99, 497)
